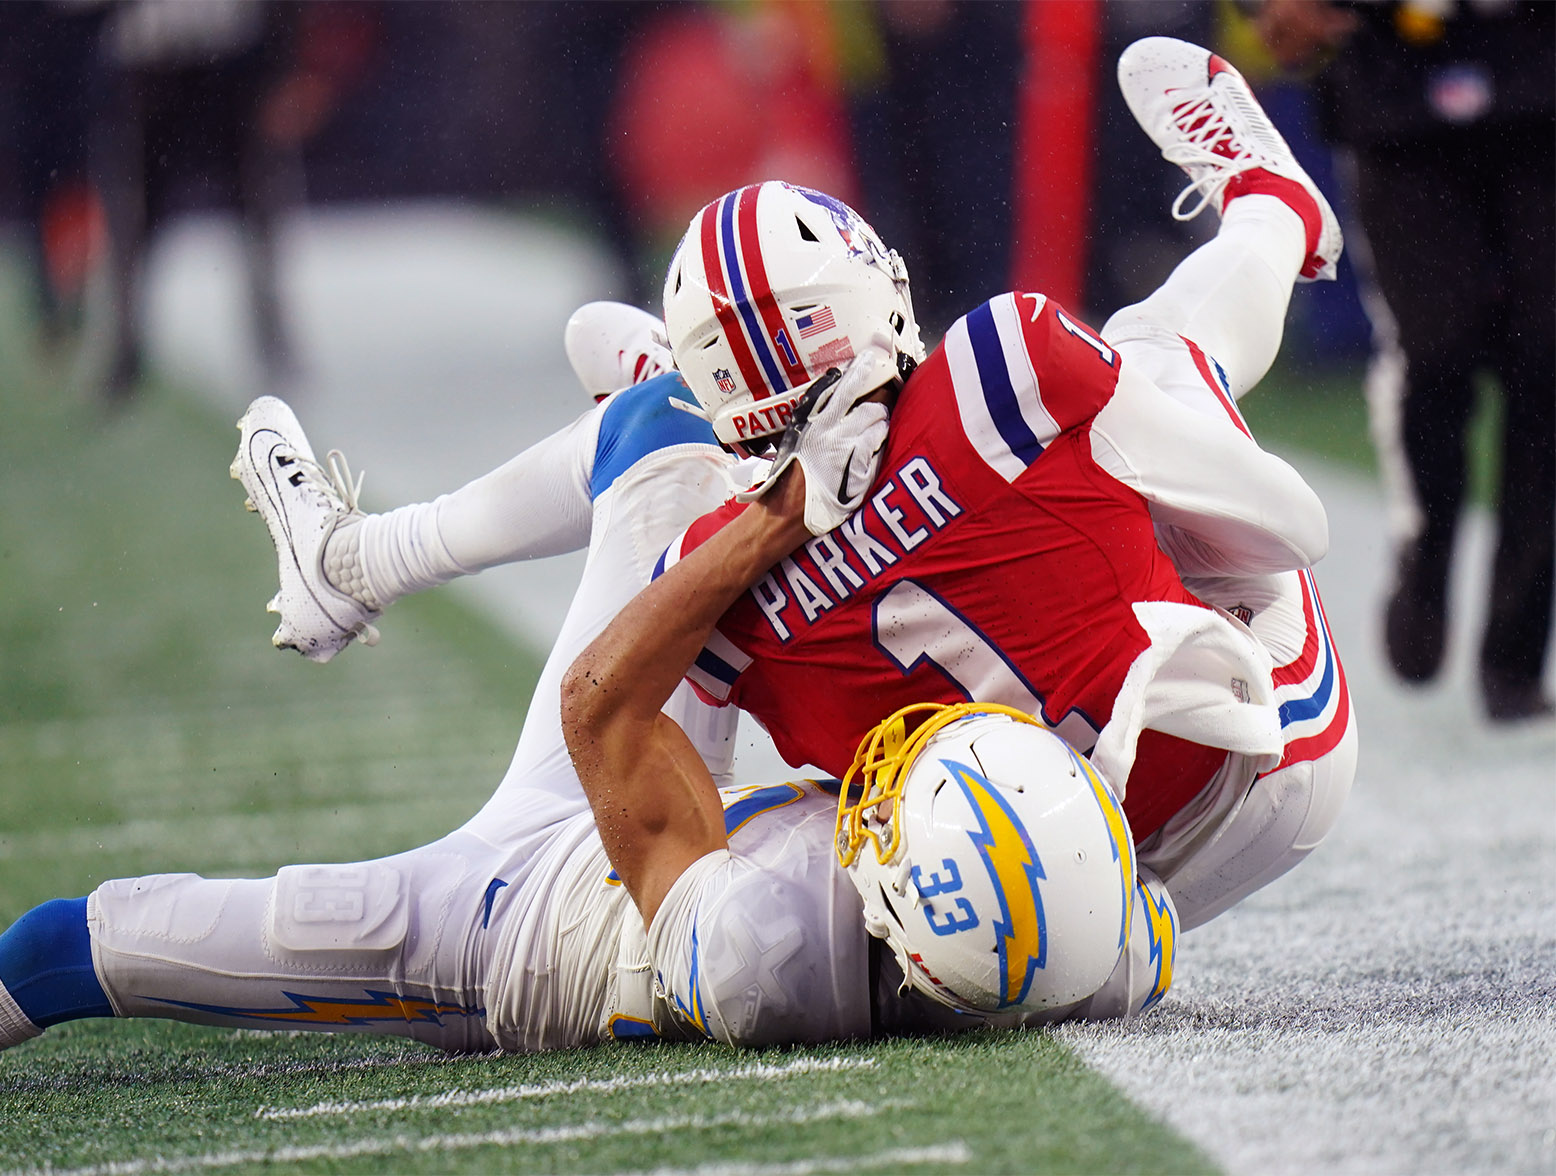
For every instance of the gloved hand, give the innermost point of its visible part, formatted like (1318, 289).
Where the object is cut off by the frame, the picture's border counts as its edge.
(838, 439)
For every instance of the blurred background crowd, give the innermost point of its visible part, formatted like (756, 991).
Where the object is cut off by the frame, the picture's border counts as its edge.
(985, 140)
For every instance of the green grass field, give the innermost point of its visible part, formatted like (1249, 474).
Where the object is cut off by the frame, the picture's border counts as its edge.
(146, 726)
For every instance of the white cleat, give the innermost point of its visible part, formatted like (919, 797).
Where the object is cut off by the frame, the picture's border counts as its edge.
(302, 504)
(1203, 116)
(612, 345)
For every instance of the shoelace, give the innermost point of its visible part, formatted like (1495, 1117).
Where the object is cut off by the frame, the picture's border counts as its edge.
(1205, 124)
(333, 480)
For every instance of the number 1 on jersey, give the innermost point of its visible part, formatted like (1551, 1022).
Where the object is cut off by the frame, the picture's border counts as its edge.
(1102, 349)
(913, 626)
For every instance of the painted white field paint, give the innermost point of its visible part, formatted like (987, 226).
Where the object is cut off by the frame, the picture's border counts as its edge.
(1388, 1007)
(759, 1072)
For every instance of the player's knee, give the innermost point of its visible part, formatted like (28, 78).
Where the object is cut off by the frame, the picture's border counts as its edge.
(1328, 784)
(1136, 324)
(46, 964)
(349, 913)
(311, 919)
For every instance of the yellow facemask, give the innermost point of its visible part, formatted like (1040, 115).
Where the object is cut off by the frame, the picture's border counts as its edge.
(880, 769)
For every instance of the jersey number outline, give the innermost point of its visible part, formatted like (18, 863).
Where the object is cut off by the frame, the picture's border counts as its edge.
(913, 626)
(1104, 352)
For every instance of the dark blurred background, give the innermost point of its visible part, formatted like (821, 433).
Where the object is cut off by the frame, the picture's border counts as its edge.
(986, 141)
(386, 212)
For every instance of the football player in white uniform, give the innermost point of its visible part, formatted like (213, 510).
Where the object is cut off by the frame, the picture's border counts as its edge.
(675, 909)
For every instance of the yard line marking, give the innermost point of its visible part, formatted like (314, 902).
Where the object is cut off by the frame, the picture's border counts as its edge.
(955, 1151)
(501, 1094)
(393, 1144)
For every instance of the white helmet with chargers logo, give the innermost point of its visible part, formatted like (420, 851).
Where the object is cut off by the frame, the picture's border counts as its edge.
(771, 286)
(991, 857)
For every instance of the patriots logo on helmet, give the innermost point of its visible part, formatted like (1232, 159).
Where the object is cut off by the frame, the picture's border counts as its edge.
(850, 226)
(724, 380)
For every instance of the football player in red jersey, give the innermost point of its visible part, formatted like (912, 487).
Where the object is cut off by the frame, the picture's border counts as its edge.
(1046, 494)
(1057, 512)
(1050, 522)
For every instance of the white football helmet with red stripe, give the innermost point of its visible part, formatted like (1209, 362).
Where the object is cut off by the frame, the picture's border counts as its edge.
(771, 286)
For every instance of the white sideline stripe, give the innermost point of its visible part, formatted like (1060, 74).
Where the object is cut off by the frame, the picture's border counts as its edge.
(501, 1094)
(954, 1152)
(390, 1145)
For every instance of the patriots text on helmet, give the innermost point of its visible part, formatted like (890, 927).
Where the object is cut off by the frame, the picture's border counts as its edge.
(764, 419)
(771, 285)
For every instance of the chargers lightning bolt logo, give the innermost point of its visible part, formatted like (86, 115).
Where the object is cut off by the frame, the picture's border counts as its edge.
(1021, 934)
(1118, 834)
(1162, 923)
(318, 1010)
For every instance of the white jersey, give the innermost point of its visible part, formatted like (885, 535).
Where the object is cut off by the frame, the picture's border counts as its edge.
(761, 943)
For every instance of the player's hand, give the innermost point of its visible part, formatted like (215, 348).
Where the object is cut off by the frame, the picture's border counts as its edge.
(837, 438)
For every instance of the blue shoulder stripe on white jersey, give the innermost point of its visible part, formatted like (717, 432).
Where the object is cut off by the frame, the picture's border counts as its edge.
(997, 393)
(641, 420)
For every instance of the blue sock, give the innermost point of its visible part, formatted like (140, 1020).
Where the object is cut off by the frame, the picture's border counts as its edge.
(46, 965)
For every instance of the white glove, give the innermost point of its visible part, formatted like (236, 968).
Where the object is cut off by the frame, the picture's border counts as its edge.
(838, 439)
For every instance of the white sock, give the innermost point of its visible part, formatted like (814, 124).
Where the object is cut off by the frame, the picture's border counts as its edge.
(536, 504)
(387, 556)
(1230, 295)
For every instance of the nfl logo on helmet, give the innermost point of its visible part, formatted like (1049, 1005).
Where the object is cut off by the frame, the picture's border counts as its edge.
(724, 380)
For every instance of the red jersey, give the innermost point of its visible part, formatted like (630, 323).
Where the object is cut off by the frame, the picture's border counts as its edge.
(994, 560)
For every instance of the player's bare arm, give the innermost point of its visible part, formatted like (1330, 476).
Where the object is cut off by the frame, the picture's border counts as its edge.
(654, 801)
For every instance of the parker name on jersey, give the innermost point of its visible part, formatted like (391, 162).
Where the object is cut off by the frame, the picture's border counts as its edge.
(995, 559)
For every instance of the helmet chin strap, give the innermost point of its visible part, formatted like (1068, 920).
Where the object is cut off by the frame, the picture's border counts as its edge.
(695, 410)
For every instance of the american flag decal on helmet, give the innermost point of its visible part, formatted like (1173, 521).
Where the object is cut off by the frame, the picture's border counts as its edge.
(817, 321)
(743, 297)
